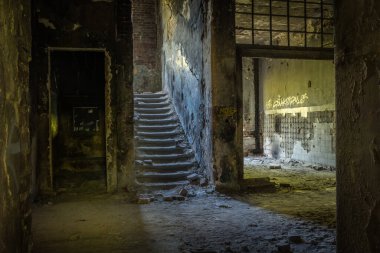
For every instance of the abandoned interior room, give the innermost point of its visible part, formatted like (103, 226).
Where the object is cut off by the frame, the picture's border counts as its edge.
(194, 126)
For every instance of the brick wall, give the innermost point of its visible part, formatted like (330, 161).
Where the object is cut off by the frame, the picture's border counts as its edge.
(145, 46)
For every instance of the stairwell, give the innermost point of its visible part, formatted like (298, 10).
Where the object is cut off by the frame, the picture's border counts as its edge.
(164, 158)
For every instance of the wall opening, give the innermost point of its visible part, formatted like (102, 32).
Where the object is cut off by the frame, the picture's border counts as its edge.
(295, 106)
(78, 125)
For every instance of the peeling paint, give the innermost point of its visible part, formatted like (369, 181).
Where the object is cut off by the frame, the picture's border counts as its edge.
(76, 26)
(47, 23)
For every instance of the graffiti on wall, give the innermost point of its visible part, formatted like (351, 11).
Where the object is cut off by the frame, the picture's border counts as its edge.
(290, 101)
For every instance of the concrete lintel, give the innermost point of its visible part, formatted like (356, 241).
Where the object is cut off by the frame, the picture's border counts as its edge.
(285, 52)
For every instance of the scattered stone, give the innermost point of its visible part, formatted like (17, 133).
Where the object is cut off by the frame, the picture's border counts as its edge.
(193, 177)
(183, 192)
(295, 239)
(224, 206)
(191, 194)
(275, 167)
(210, 191)
(139, 162)
(203, 182)
(143, 200)
(179, 198)
(284, 248)
(262, 184)
(168, 198)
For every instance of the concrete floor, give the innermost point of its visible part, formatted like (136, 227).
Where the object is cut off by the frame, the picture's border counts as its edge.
(209, 222)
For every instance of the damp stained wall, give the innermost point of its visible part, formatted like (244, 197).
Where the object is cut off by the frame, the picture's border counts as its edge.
(70, 25)
(146, 46)
(199, 75)
(186, 76)
(358, 126)
(299, 109)
(250, 128)
(15, 137)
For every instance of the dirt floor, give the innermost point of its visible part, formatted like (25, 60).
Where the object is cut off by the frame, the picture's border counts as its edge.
(305, 191)
(205, 222)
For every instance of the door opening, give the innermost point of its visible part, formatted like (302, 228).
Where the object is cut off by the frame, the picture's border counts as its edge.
(77, 116)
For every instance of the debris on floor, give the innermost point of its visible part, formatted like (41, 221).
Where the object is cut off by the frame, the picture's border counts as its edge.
(301, 190)
(206, 223)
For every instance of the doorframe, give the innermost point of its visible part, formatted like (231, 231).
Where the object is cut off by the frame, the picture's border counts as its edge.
(111, 171)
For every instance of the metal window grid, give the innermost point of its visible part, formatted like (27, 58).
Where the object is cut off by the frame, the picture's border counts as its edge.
(288, 31)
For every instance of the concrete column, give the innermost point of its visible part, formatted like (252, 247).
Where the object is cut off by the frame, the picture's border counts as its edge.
(226, 100)
(358, 125)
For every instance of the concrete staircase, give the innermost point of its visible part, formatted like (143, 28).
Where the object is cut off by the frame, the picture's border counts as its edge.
(164, 158)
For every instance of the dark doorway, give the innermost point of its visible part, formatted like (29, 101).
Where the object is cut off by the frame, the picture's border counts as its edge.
(78, 120)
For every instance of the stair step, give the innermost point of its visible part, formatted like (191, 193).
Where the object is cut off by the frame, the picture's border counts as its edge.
(157, 121)
(151, 100)
(153, 110)
(155, 115)
(163, 186)
(168, 166)
(150, 95)
(157, 127)
(169, 142)
(161, 150)
(140, 104)
(165, 134)
(173, 157)
(162, 177)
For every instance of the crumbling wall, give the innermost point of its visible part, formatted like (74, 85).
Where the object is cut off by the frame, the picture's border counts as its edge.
(358, 126)
(79, 25)
(199, 74)
(146, 40)
(299, 109)
(248, 97)
(186, 49)
(15, 138)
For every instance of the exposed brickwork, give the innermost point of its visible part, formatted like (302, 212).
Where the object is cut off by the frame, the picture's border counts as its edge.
(145, 45)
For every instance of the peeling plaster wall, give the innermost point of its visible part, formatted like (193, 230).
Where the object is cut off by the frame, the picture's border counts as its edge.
(70, 25)
(299, 109)
(146, 48)
(248, 97)
(186, 76)
(358, 126)
(199, 74)
(15, 137)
